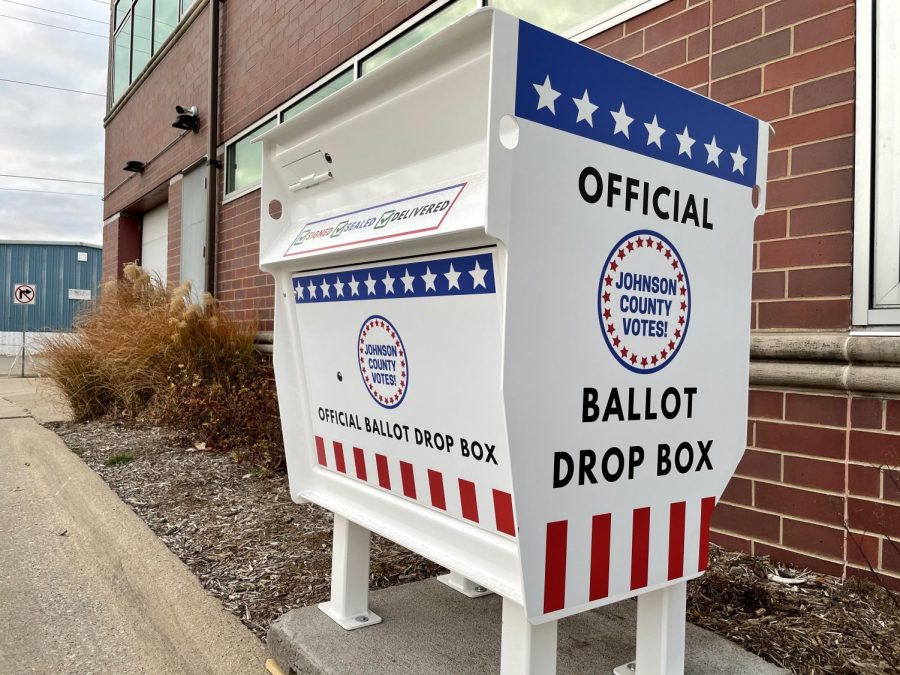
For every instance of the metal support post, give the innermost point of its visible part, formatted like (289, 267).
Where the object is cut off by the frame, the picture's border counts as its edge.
(24, 327)
(466, 586)
(526, 649)
(660, 633)
(349, 604)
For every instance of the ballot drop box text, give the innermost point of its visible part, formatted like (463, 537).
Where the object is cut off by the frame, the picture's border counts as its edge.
(512, 316)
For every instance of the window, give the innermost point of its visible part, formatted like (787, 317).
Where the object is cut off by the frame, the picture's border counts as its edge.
(428, 27)
(320, 94)
(142, 27)
(244, 160)
(876, 268)
(563, 16)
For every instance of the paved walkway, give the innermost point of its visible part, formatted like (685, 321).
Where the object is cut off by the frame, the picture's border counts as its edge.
(85, 586)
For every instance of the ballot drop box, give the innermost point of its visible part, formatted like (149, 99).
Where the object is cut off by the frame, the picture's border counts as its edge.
(512, 324)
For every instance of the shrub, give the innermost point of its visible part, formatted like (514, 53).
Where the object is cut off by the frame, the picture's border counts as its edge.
(146, 349)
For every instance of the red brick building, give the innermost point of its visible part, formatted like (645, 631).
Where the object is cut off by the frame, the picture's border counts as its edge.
(819, 485)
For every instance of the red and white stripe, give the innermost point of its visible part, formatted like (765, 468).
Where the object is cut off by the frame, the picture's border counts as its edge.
(489, 508)
(644, 548)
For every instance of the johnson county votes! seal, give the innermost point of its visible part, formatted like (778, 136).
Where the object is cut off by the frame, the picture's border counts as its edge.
(644, 301)
(382, 362)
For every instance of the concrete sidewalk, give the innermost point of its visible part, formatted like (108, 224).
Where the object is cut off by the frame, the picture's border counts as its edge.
(85, 586)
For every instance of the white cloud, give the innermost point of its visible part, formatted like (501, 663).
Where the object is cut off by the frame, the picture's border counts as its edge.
(44, 132)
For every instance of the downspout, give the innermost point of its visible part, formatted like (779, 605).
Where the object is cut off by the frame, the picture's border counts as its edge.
(212, 161)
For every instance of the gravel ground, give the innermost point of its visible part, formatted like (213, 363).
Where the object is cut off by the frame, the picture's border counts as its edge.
(251, 546)
(263, 555)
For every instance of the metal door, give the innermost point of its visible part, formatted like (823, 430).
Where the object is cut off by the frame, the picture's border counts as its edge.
(193, 229)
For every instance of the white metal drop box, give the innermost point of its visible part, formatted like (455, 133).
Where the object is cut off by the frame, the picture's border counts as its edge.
(512, 311)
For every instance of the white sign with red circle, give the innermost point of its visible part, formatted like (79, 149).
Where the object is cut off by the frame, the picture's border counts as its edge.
(382, 362)
(644, 301)
(24, 294)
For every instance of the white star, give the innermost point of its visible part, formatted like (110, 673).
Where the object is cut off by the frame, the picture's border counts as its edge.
(452, 278)
(738, 159)
(429, 278)
(370, 284)
(585, 109)
(654, 133)
(713, 152)
(478, 276)
(407, 280)
(339, 287)
(546, 95)
(622, 121)
(354, 286)
(388, 282)
(298, 292)
(324, 286)
(684, 142)
(312, 289)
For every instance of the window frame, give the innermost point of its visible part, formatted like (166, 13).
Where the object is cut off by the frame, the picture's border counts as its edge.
(869, 217)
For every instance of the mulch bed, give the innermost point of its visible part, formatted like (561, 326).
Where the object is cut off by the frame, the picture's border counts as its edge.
(262, 555)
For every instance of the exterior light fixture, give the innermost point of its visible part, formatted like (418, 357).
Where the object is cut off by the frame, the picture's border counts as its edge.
(187, 118)
(134, 166)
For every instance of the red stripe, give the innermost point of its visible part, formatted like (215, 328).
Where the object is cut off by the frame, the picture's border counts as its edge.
(339, 457)
(676, 540)
(359, 458)
(707, 504)
(555, 566)
(408, 479)
(503, 513)
(384, 477)
(600, 533)
(640, 547)
(436, 486)
(320, 451)
(468, 499)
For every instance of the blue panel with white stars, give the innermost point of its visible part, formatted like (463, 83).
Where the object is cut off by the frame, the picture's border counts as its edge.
(564, 85)
(457, 275)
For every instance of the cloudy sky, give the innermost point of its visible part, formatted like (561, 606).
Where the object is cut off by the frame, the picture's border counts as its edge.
(48, 133)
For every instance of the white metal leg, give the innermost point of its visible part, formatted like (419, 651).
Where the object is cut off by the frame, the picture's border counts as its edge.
(466, 586)
(526, 649)
(660, 633)
(349, 604)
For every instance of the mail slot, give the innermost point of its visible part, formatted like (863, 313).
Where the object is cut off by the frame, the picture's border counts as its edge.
(512, 313)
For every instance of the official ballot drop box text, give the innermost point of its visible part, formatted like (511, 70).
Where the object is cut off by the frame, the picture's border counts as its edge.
(512, 310)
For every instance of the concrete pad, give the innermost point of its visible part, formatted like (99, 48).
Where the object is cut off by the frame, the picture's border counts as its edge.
(430, 628)
(87, 587)
(38, 397)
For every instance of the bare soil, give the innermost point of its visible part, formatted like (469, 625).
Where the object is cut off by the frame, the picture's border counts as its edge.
(262, 555)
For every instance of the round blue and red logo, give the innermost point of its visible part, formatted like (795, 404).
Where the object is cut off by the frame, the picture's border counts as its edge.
(644, 301)
(382, 362)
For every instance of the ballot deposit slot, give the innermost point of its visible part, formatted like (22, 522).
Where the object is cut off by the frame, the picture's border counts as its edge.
(512, 324)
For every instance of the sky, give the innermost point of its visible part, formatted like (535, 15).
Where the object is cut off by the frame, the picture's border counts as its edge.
(49, 133)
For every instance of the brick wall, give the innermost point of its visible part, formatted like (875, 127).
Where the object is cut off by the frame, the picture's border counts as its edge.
(819, 485)
(173, 269)
(121, 244)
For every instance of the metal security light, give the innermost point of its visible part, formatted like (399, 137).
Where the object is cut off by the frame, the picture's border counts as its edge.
(187, 118)
(134, 166)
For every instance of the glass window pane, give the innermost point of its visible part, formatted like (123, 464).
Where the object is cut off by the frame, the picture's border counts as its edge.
(122, 8)
(164, 21)
(143, 14)
(319, 94)
(121, 62)
(245, 160)
(186, 6)
(561, 16)
(415, 35)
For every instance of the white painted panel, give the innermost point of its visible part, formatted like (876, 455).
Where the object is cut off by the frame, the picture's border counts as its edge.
(155, 241)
